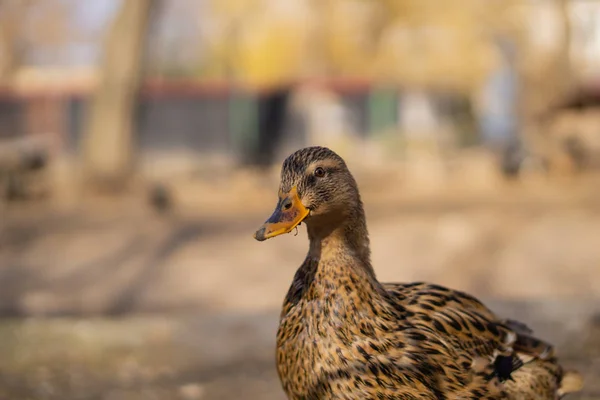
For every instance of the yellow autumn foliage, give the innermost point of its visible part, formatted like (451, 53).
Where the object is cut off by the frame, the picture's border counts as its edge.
(273, 44)
(427, 42)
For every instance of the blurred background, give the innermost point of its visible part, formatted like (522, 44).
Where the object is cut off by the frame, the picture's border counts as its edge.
(140, 146)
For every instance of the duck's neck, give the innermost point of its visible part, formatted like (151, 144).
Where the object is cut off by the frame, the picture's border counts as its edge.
(339, 247)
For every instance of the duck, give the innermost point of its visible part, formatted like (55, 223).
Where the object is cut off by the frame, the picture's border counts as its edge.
(344, 335)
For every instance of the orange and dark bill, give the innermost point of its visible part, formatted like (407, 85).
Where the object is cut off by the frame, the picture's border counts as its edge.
(287, 215)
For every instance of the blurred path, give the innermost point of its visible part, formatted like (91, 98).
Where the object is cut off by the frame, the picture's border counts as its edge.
(206, 356)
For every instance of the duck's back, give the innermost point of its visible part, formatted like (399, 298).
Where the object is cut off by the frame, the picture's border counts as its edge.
(520, 365)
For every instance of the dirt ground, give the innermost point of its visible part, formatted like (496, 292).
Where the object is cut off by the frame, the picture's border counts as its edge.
(107, 299)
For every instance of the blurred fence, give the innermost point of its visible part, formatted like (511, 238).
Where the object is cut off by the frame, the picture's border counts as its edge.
(211, 117)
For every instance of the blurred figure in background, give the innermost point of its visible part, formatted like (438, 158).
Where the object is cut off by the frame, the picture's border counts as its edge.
(272, 110)
(498, 118)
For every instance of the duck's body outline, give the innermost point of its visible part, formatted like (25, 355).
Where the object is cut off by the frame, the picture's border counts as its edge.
(345, 335)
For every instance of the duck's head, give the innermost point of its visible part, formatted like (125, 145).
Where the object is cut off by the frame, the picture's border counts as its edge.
(316, 188)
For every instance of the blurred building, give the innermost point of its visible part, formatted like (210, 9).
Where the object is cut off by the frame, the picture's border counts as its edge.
(210, 63)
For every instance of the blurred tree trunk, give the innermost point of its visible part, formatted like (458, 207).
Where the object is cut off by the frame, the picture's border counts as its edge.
(545, 87)
(563, 80)
(559, 73)
(10, 51)
(564, 57)
(8, 59)
(108, 142)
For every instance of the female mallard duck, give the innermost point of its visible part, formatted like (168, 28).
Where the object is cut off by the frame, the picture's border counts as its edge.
(345, 335)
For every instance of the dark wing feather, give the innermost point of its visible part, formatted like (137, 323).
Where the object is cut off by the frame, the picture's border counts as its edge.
(465, 325)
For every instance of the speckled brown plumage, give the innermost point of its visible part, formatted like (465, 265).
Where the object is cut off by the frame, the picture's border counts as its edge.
(345, 335)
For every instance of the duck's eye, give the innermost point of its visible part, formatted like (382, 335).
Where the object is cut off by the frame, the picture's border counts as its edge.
(319, 172)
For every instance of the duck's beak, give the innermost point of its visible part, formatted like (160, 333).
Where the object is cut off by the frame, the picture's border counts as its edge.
(287, 215)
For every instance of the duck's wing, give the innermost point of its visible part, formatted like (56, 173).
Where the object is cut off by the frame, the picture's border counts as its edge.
(466, 327)
(479, 352)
